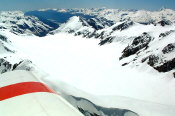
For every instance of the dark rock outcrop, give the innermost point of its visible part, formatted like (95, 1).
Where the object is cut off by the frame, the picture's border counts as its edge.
(166, 33)
(123, 26)
(100, 35)
(164, 22)
(99, 23)
(107, 40)
(158, 64)
(90, 27)
(167, 66)
(169, 48)
(6, 66)
(17, 23)
(152, 60)
(3, 38)
(137, 44)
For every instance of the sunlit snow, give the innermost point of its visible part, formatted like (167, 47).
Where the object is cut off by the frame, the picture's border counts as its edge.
(83, 64)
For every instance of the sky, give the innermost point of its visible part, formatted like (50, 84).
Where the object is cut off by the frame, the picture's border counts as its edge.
(26, 5)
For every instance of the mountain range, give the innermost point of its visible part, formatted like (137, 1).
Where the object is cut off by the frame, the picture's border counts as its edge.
(147, 37)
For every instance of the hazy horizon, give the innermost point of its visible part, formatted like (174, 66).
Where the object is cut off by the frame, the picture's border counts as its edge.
(83, 8)
(26, 5)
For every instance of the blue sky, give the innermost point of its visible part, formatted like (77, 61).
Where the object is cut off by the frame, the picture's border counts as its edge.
(25, 5)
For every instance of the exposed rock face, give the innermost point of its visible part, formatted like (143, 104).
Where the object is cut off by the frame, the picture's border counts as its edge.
(18, 23)
(159, 62)
(167, 66)
(100, 35)
(164, 22)
(123, 26)
(86, 33)
(152, 60)
(6, 65)
(163, 66)
(137, 44)
(107, 40)
(161, 59)
(37, 30)
(99, 23)
(3, 45)
(9, 61)
(174, 74)
(85, 27)
(166, 33)
(169, 48)
(3, 38)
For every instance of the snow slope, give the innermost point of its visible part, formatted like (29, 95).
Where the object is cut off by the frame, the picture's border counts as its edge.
(18, 23)
(84, 27)
(150, 44)
(9, 61)
(74, 62)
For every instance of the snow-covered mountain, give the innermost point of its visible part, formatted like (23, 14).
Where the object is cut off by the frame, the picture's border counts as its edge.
(18, 23)
(85, 27)
(139, 16)
(89, 67)
(9, 61)
(141, 42)
(53, 18)
(139, 38)
(156, 51)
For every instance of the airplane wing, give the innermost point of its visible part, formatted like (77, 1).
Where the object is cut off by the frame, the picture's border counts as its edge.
(22, 94)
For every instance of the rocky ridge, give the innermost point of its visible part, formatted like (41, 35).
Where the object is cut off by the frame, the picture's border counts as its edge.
(16, 22)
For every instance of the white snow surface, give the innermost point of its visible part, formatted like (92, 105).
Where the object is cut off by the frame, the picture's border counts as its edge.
(74, 62)
(74, 24)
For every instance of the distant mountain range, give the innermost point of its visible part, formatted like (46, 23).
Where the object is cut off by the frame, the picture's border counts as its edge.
(18, 23)
(139, 16)
(138, 28)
